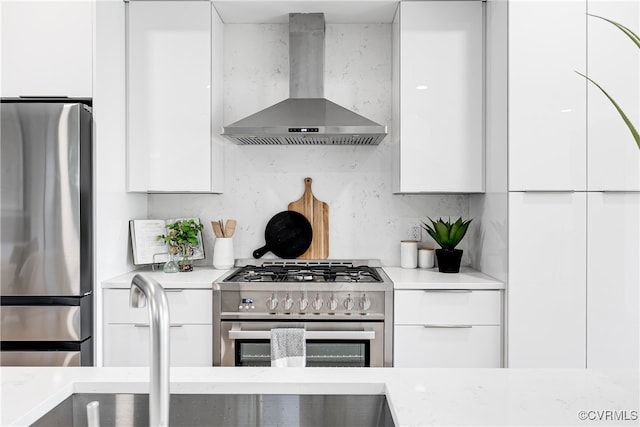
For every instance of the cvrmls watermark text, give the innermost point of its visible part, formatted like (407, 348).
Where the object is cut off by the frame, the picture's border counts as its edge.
(608, 415)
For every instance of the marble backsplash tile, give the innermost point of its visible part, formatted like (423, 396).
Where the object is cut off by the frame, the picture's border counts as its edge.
(365, 219)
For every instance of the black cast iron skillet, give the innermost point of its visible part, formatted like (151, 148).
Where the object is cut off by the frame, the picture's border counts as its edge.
(288, 235)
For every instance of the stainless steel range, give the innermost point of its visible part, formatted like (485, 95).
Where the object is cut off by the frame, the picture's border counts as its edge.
(346, 308)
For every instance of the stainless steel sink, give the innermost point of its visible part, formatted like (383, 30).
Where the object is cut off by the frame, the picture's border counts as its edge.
(232, 410)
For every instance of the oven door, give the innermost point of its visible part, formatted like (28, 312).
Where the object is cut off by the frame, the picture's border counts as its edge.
(329, 344)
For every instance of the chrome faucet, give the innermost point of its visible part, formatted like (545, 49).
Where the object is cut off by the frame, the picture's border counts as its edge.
(145, 289)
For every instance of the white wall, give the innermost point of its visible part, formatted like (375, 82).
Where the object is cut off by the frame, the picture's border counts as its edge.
(365, 219)
(114, 207)
(489, 239)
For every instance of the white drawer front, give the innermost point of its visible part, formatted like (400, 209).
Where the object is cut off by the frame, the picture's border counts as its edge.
(468, 347)
(128, 345)
(186, 306)
(447, 307)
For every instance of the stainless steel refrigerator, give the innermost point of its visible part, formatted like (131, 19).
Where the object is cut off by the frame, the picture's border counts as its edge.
(46, 288)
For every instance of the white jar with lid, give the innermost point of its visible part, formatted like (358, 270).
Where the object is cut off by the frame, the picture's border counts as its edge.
(408, 253)
(426, 257)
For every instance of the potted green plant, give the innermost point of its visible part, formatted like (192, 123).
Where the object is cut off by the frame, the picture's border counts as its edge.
(182, 238)
(447, 235)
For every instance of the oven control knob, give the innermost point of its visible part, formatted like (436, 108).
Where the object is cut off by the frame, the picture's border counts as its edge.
(317, 303)
(365, 302)
(332, 304)
(303, 303)
(348, 303)
(272, 302)
(287, 303)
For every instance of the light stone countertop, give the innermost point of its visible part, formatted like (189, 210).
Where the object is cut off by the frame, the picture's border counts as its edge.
(417, 397)
(419, 278)
(403, 278)
(199, 278)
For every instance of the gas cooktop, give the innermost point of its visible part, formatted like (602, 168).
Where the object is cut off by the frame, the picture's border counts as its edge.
(305, 272)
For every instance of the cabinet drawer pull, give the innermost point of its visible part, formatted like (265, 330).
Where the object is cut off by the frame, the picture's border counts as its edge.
(550, 191)
(144, 325)
(173, 290)
(453, 291)
(447, 326)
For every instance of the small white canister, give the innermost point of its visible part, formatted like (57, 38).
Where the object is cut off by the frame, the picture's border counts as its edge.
(426, 257)
(408, 253)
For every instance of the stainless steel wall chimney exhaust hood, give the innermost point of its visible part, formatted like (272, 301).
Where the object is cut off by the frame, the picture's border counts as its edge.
(306, 117)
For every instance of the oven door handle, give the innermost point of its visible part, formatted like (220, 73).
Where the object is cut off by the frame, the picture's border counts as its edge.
(236, 334)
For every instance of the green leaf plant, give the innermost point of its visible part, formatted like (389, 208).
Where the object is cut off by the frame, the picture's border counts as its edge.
(635, 39)
(182, 236)
(445, 233)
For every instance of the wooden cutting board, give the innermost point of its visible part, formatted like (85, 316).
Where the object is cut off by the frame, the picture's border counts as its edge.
(317, 213)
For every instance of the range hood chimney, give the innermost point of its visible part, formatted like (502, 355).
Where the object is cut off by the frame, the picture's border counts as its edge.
(306, 117)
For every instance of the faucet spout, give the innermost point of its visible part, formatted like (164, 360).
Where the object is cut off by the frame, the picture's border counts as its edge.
(145, 289)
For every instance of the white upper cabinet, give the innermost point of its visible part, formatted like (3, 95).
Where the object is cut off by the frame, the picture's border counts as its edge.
(547, 99)
(614, 63)
(437, 97)
(613, 297)
(174, 97)
(46, 48)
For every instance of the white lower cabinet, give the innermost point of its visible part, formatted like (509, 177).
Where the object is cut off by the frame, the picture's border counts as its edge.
(456, 346)
(128, 345)
(447, 329)
(573, 298)
(126, 329)
(546, 297)
(613, 274)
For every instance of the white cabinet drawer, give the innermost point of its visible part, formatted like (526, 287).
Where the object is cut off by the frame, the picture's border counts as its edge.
(186, 306)
(447, 307)
(128, 345)
(460, 347)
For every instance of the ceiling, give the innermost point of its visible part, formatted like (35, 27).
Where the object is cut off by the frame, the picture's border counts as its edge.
(277, 12)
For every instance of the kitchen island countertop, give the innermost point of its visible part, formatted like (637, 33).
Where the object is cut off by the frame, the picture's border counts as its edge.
(417, 397)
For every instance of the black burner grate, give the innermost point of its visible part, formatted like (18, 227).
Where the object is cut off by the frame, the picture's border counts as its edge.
(301, 273)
